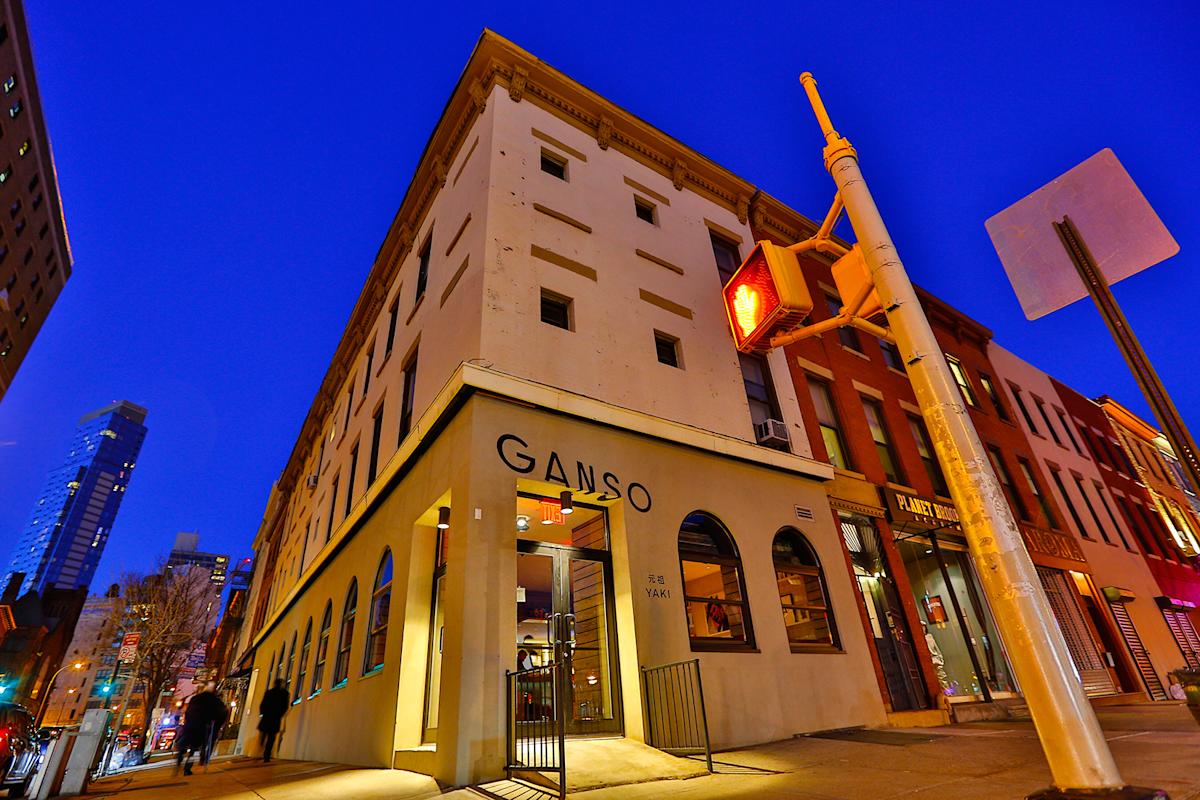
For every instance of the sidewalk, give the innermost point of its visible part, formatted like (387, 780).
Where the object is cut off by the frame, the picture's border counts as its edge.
(1154, 745)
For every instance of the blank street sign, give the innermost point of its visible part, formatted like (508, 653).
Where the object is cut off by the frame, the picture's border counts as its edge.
(1122, 232)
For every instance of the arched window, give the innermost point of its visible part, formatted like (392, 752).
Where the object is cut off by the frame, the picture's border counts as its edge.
(381, 603)
(322, 648)
(714, 593)
(806, 612)
(302, 670)
(341, 664)
(287, 678)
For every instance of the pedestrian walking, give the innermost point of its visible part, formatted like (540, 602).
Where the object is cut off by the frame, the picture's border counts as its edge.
(271, 710)
(205, 712)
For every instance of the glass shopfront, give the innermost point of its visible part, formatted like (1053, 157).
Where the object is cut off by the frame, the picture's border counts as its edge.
(968, 657)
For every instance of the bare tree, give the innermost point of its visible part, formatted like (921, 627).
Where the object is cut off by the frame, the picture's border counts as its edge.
(171, 611)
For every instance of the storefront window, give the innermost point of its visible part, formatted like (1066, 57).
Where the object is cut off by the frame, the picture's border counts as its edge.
(717, 614)
(302, 670)
(341, 665)
(381, 603)
(806, 613)
(322, 649)
(954, 651)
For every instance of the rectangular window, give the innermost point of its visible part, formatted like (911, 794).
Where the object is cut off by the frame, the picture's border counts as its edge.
(10, 83)
(1041, 407)
(760, 393)
(666, 347)
(1036, 491)
(827, 420)
(1087, 501)
(376, 431)
(14, 111)
(332, 507)
(891, 355)
(928, 455)
(367, 373)
(349, 406)
(1025, 415)
(846, 335)
(1097, 456)
(423, 266)
(1143, 536)
(964, 383)
(406, 396)
(350, 478)
(393, 313)
(556, 310)
(1006, 483)
(1056, 476)
(1062, 418)
(645, 210)
(554, 164)
(727, 254)
(23, 150)
(1111, 517)
(883, 442)
(994, 395)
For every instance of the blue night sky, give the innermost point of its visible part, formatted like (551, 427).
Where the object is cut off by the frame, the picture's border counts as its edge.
(229, 171)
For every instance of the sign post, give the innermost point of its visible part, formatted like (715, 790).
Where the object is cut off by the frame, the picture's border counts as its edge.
(1075, 747)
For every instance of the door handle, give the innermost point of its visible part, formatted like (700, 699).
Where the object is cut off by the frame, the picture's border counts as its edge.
(552, 629)
(569, 619)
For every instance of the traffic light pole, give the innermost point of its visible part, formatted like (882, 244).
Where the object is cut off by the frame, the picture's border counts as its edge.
(1080, 762)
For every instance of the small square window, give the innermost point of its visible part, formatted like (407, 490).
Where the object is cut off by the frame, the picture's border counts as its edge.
(556, 310)
(667, 348)
(10, 84)
(555, 165)
(645, 210)
(24, 148)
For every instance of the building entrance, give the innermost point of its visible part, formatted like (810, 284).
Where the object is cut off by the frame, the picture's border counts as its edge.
(564, 611)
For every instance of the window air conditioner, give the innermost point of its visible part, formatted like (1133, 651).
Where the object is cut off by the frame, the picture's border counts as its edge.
(771, 432)
(311, 481)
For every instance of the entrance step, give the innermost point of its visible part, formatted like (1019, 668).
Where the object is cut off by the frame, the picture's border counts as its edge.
(1008, 708)
(416, 759)
(928, 718)
(596, 763)
(1121, 699)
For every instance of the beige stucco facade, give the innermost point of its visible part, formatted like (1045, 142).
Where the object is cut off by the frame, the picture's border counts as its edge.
(767, 694)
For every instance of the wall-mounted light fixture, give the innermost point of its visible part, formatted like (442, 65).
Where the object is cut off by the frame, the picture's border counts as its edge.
(444, 517)
(522, 523)
(568, 503)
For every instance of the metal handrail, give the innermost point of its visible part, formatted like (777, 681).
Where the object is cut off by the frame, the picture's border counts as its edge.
(676, 719)
(536, 740)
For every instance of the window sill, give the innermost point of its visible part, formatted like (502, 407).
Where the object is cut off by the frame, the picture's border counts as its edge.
(717, 646)
(858, 353)
(339, 684)
(382, 361)
(899, 372)
(827, 649)
(314, 694)
(296, 702)
(373, 671)
(849, 473)
(1113, 544)
(416, 307)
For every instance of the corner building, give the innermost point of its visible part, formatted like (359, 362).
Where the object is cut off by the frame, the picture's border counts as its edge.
(543, 332)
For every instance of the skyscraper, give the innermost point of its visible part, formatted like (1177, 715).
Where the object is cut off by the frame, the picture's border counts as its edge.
(35, 257)
(74, 514)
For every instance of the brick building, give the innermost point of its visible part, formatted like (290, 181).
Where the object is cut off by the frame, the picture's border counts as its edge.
(35, 258)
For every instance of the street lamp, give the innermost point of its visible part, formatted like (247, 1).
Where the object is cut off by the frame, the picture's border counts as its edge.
(78, 665)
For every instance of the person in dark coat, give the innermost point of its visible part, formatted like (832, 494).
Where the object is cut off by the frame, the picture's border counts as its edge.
(205, 713)
(271, 710)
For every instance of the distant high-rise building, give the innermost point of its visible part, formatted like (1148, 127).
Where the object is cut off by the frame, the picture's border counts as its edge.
(187, 551)
(35, 257)
(74, 513)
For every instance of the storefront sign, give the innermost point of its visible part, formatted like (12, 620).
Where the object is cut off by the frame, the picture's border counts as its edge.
(514, 452)
(920, 512)
(655, 586)
(1051, 543)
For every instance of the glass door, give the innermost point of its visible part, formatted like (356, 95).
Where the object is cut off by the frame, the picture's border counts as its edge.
(564, 617)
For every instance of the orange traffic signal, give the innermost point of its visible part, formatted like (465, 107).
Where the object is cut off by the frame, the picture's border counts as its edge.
(765, 296)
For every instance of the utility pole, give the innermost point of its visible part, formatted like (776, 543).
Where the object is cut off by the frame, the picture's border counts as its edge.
(1075, 748)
